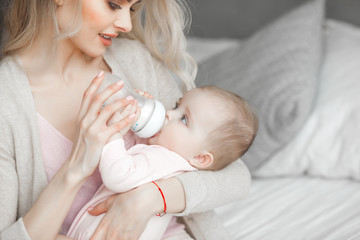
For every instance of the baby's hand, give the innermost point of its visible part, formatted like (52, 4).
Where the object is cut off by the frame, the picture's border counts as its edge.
(145, 94)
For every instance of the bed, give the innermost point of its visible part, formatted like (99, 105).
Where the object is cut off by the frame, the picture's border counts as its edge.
(301, 72)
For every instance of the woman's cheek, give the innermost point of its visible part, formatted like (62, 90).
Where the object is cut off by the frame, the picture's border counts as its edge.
(93, 13)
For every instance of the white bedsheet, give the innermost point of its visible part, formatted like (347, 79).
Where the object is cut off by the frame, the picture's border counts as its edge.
(294, 209)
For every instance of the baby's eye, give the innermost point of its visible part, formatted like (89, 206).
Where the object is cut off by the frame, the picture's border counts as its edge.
(184, 120)
(176, 105)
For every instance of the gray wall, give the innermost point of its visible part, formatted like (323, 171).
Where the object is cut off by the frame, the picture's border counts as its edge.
(240, 18)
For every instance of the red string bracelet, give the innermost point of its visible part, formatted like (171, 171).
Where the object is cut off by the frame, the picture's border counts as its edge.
(163, 213)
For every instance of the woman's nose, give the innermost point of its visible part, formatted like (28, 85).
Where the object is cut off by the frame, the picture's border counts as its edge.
(123, 22)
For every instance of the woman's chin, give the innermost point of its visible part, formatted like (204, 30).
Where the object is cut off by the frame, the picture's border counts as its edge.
(95, 52)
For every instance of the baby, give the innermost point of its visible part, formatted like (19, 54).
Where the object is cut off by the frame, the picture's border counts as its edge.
(207, 129)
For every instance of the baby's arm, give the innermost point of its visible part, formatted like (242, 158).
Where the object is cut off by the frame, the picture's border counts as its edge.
(122, 170)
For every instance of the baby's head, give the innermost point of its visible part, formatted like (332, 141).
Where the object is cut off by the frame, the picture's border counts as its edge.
(210, 127)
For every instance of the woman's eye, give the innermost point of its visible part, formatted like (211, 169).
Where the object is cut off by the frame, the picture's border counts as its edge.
(114, 6)
(183, 119)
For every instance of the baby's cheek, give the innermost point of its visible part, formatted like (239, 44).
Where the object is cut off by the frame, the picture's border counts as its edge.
(172, 143)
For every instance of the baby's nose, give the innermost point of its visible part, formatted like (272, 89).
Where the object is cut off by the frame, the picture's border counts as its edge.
(169, 115)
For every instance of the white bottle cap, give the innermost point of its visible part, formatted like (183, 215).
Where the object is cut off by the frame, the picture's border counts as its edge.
(155, 122)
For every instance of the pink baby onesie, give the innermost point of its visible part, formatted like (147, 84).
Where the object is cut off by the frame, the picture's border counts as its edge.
(122, 170)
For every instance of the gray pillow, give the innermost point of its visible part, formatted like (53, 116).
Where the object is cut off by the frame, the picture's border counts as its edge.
(276, 70)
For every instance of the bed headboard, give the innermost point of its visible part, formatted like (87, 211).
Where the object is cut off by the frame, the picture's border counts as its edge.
(240, 18)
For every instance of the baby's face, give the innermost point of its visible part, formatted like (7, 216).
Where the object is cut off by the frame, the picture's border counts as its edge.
(187, 125)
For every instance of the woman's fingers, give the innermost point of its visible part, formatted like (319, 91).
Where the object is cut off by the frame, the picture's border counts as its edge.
(102, 207)
(127, 214)
(112, 108)
(143, 93)
(123, 120)
(122, 126)
(99, 234)
(113, 227)
(100, 98)
(128, 109)
(90, 92)
(133, 112)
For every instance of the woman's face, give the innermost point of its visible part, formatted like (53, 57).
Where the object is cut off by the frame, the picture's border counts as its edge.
(102, 20)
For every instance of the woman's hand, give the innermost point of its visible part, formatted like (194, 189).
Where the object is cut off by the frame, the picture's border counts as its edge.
(120, 115)
(92, 131)
(128, 213)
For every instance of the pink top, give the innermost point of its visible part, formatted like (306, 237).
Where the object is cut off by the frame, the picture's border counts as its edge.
(55, 149)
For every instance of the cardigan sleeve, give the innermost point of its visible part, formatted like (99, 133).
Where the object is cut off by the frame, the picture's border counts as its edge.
(206, 190)
(10, 226)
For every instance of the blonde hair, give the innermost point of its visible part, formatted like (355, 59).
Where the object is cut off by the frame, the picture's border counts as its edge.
(159, 24)
(26, 19)
(235, 135)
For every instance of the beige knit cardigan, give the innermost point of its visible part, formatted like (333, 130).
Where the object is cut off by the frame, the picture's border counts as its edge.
(22, 175)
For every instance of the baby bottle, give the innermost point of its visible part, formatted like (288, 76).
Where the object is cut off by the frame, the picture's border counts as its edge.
(152, 116)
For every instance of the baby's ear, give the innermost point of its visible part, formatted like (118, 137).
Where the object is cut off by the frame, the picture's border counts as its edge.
(202, 161)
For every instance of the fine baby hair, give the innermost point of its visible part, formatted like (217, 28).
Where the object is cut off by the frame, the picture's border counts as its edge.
(235, 135)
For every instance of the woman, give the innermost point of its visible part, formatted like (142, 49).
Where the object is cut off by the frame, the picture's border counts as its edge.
(52, 134)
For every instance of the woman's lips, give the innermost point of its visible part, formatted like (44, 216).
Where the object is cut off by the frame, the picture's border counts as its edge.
(106, 38)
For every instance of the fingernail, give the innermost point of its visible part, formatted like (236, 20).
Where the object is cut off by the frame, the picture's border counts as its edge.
(141, 92)
(100, 74)
(90, 208)
(132, 115)
(129, 98)
(120, 82)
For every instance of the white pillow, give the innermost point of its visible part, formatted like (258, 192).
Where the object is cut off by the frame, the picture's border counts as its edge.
(276, 70)
(329, 143)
